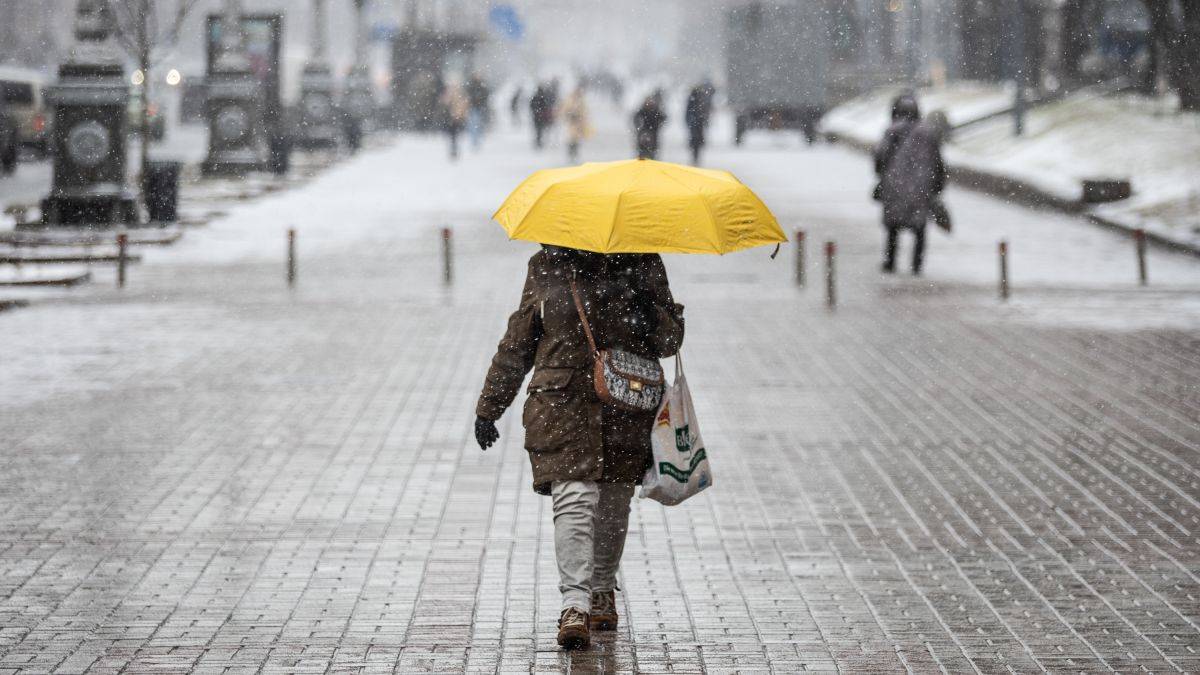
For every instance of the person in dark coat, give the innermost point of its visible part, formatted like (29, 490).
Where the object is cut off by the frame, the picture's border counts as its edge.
(913, 178)
(905, 115)
(647, 122)
(696, 115)
(514, 105)
(586, 455)
(479, 110)
(541, 109)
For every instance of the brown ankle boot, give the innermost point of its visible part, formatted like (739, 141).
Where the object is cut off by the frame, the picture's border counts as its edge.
(573, 630)
(604, 610)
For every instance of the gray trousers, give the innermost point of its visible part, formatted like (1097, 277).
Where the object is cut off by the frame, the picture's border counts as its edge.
(590, 523)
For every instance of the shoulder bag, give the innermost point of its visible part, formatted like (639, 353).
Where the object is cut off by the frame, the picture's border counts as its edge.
(625, 380)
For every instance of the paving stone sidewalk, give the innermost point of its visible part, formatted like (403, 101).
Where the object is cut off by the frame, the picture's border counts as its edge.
(215, 473)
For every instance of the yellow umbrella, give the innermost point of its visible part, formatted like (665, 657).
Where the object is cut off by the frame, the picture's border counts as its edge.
(638, 206)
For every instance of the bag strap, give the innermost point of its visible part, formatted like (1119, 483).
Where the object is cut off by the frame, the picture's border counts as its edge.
(587, 328)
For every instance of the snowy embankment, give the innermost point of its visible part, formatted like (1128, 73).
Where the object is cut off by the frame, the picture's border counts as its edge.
(1083, 136)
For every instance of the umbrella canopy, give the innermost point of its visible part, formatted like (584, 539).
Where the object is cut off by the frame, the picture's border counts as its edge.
(638, 206)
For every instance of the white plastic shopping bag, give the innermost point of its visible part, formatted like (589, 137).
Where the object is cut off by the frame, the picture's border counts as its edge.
(680, 460)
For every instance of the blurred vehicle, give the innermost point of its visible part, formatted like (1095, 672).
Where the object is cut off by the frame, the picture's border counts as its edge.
(778, 66)
(154, 117)
(423, 61)
(23, 95)
(8, 141)
(192, 97)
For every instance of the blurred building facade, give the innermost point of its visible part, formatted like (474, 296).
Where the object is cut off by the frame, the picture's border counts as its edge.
(35, 34)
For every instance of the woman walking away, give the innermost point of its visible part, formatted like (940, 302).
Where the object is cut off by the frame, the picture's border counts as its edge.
(541, 111)
(696, 114)
(905, 115)
(647, 122)
(586, 455)
(912, 184)
(575, 112)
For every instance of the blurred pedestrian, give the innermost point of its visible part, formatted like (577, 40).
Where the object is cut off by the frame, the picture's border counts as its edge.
(479, 113)
(912, 178)
(575, 114)
(514, 105)
(455, 108)
(541, 110)
(647, 122)
(696, 115)
(586, 455)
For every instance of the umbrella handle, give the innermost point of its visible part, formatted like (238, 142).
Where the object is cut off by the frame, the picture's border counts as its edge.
(775, 252)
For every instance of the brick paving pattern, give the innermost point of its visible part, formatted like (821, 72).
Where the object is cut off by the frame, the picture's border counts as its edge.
(234, 477)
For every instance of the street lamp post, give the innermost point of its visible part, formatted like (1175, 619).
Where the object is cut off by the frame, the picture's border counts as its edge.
(318, 117)
(90, 186)
(1019, 63)
(237, 141)
(358, 103)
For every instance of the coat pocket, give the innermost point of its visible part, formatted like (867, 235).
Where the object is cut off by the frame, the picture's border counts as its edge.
(554, 414)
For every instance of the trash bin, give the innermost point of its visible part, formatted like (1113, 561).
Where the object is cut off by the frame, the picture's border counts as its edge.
(161, 190)
(281, 154)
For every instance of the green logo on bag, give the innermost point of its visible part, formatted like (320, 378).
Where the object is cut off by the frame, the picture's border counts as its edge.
(683, 439)
(682, 475)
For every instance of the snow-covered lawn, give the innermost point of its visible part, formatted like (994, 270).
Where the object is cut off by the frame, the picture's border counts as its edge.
(864, 119)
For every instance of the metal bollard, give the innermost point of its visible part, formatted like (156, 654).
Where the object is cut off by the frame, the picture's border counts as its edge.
(1139, 238)
(831, 274)
(291, 256)
(1003, 270)
(800, 254)
(447, 256)
(122, 258)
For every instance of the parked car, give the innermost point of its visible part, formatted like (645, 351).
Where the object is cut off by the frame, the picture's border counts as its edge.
(23, 93)
(155, 121)
(778, 66)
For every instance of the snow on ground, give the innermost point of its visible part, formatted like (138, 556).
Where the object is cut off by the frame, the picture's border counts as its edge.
(39, 274)
(864, 119)
(407, 189)
(1085, 135)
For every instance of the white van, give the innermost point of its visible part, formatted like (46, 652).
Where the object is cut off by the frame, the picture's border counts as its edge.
(23, 92)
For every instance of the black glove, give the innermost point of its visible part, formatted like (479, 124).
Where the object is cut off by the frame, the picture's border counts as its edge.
(485, 433)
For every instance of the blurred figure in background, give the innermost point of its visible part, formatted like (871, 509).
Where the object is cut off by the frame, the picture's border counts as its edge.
(912, 178)
(514, 105)
(455, 108)
(696, 115)
(647, 122)
(479, 114)
(574, 112)
(542, 111)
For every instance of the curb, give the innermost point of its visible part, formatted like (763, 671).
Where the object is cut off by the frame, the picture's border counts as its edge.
(12, 304)
(1015, 190)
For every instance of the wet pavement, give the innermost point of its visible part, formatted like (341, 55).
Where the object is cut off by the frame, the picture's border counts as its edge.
(210, 471)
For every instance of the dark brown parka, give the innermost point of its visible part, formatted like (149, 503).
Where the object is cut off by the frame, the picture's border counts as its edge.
(569, 433)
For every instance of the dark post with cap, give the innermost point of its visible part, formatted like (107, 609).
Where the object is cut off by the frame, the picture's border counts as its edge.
(122, 258)
(800, 253)
(1003, 270)
(291, 256)
(831, 274)
(1139, 239)
(447, 254)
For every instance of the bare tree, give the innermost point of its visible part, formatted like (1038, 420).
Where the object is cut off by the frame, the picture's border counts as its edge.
(147, 36)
